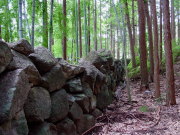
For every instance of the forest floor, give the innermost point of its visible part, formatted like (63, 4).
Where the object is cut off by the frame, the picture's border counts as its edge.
(144, 116)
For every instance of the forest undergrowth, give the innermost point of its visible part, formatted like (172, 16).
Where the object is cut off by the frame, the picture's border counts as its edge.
(144, 116)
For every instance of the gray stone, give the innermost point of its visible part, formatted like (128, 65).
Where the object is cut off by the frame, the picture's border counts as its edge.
(83, 102)
(70, 70)
(60, 106)
(85, 123)
(38, 105)
(22, 46)
(5, 56)
(104, 98)
(16, 126)
(20, 61)
(66, 127)
(54, 79)
(42, 129)
(14, 89)
(75, 112)
(96, 113)
(43, 59)
(74, 86)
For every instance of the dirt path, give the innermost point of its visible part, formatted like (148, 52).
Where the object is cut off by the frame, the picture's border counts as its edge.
(144, 116)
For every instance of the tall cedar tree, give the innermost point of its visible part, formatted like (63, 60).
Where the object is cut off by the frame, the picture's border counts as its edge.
(80, 30)
(173, 25)
(149, 23)
(130, 35)
(171, 98)
(51, 42)
(160, 34)
(64, 40)
(156, 55)
(20, 19)
(33, 23)
(142, 44)
(45, 24)
(95, 25)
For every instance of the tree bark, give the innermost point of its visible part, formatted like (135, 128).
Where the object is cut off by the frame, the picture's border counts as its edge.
(156, 53)
(80, 30)
(130, 36)
(45, 24)
(51, 27)
(33, 22)
(95, 25)
(85, 28)
(20, 19)
(142, 43)
(149, 23)
(101, 24)
(173, 26)
(64, 40)
(89, 23)
(160, 35)
(170, 88)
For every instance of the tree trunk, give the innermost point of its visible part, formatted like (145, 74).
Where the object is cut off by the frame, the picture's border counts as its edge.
(133, 24)
(149, 23)
(76, 24)
(85, 28)
(95, 25)
(0, 33)
(100, 24)
(156, 53)
(33, 22)
(80, 31)
(45, 24)
(51, 27)
(173, 26)
(160, 42)
(130, 36)
(20, 19)
(27, 23)
(142, 43)
(170, 88)
(89, 23)
(64, 40)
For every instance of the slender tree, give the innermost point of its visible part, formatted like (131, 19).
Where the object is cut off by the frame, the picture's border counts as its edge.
(33, 22)
(160, 34)
(130, 35)
(173, 26)
(51, 27)
(85, 28)
(80, 29)
(170, 88)
(142, 44)
(89, 23)
(149, 23)
(100, 23)
(95, 25)
(20, 19)
(45, 24)
(64, 40)
(156, 55)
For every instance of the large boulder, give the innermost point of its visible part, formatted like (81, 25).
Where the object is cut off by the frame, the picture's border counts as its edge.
(20, 61)
(38, 105)
(5, 56)
(92, 75)
(85, 123)
(14, 89)
(75, 112)
(70, 70)
(101, 59)
(43, 59)
(74, 86)
(16, 126)
(104, 98)
(42, 129)
(22, 46)
(54, 79)
(66, 127)
(60, 106)
(83, 102)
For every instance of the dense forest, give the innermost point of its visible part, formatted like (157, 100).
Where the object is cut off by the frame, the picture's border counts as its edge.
(139, 41)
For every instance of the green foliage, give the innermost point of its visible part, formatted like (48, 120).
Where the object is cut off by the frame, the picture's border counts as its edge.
(144, 108)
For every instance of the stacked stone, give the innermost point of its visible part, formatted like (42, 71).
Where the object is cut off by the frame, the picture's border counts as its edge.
(42, 95)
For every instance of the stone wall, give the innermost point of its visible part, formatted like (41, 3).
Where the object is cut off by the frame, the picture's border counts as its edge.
(42, 95)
